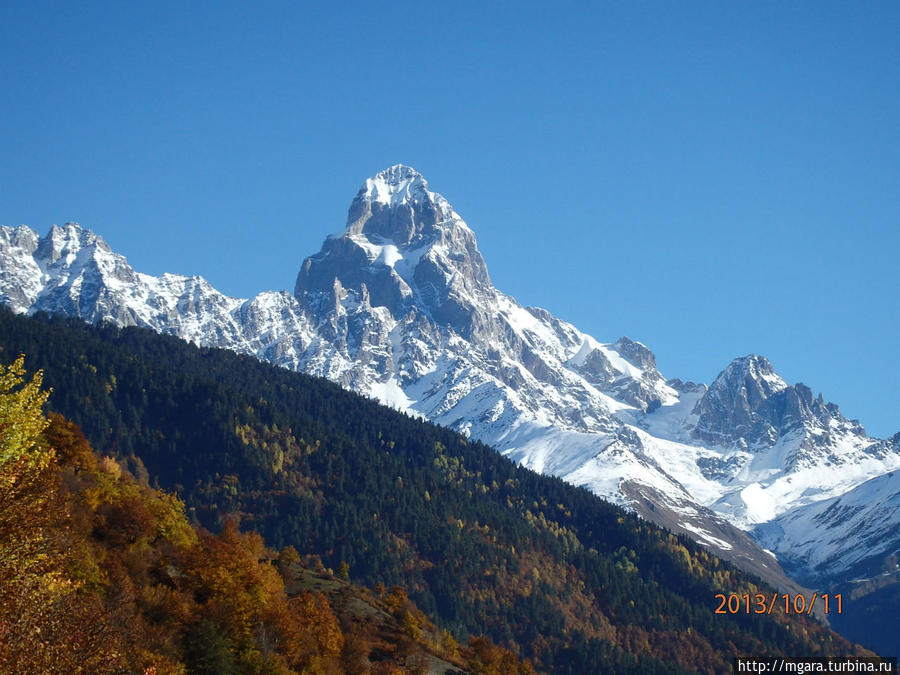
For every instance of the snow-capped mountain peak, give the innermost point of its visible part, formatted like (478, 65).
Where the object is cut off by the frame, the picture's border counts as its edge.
(742, 405)
(756, 369)
(396, 185)
(68, 241)
(396, 204)
(404, 249)
(399, 306)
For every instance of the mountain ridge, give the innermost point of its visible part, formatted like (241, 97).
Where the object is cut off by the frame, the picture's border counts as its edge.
(399, 306)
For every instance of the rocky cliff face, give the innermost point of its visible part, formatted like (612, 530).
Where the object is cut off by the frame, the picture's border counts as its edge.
(405, 248)
(750, 405)
(400, 306)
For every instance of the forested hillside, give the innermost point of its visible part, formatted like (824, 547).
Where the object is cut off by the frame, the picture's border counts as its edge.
(482, 545)
(102, 574)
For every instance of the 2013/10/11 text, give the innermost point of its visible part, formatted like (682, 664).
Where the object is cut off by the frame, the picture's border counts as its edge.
(760, 603)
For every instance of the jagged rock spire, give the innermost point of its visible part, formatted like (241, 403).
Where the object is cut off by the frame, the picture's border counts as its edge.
(396, 204)
(408, 246)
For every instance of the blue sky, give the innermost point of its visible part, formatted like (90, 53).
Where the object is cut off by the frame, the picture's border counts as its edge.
(713, 179)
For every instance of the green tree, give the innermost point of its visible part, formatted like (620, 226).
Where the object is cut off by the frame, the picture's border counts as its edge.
(208, 650)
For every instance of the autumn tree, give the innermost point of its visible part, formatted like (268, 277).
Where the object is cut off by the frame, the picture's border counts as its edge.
(21, 412)
(45, 625)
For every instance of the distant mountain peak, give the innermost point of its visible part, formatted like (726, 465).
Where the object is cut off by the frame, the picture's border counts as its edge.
(749, 403)
(739, 404)
(751, 370)
(69, 239)
(636, 352)
(397, 184)
(408, 247)
(396, 205)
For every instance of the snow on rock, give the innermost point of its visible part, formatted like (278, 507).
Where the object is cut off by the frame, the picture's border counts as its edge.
(853, 531)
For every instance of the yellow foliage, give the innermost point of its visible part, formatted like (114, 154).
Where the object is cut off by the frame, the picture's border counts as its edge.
(448, 646)
(171, 523)
(46, 623)
(227, 568)
(21, 416)
(411, 625)
(110, 466)
(317, 619)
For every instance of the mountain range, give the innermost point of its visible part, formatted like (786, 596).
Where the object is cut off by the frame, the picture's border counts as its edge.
(399, 306)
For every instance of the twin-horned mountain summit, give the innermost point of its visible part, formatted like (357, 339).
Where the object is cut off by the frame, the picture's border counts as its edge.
(400, 306)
